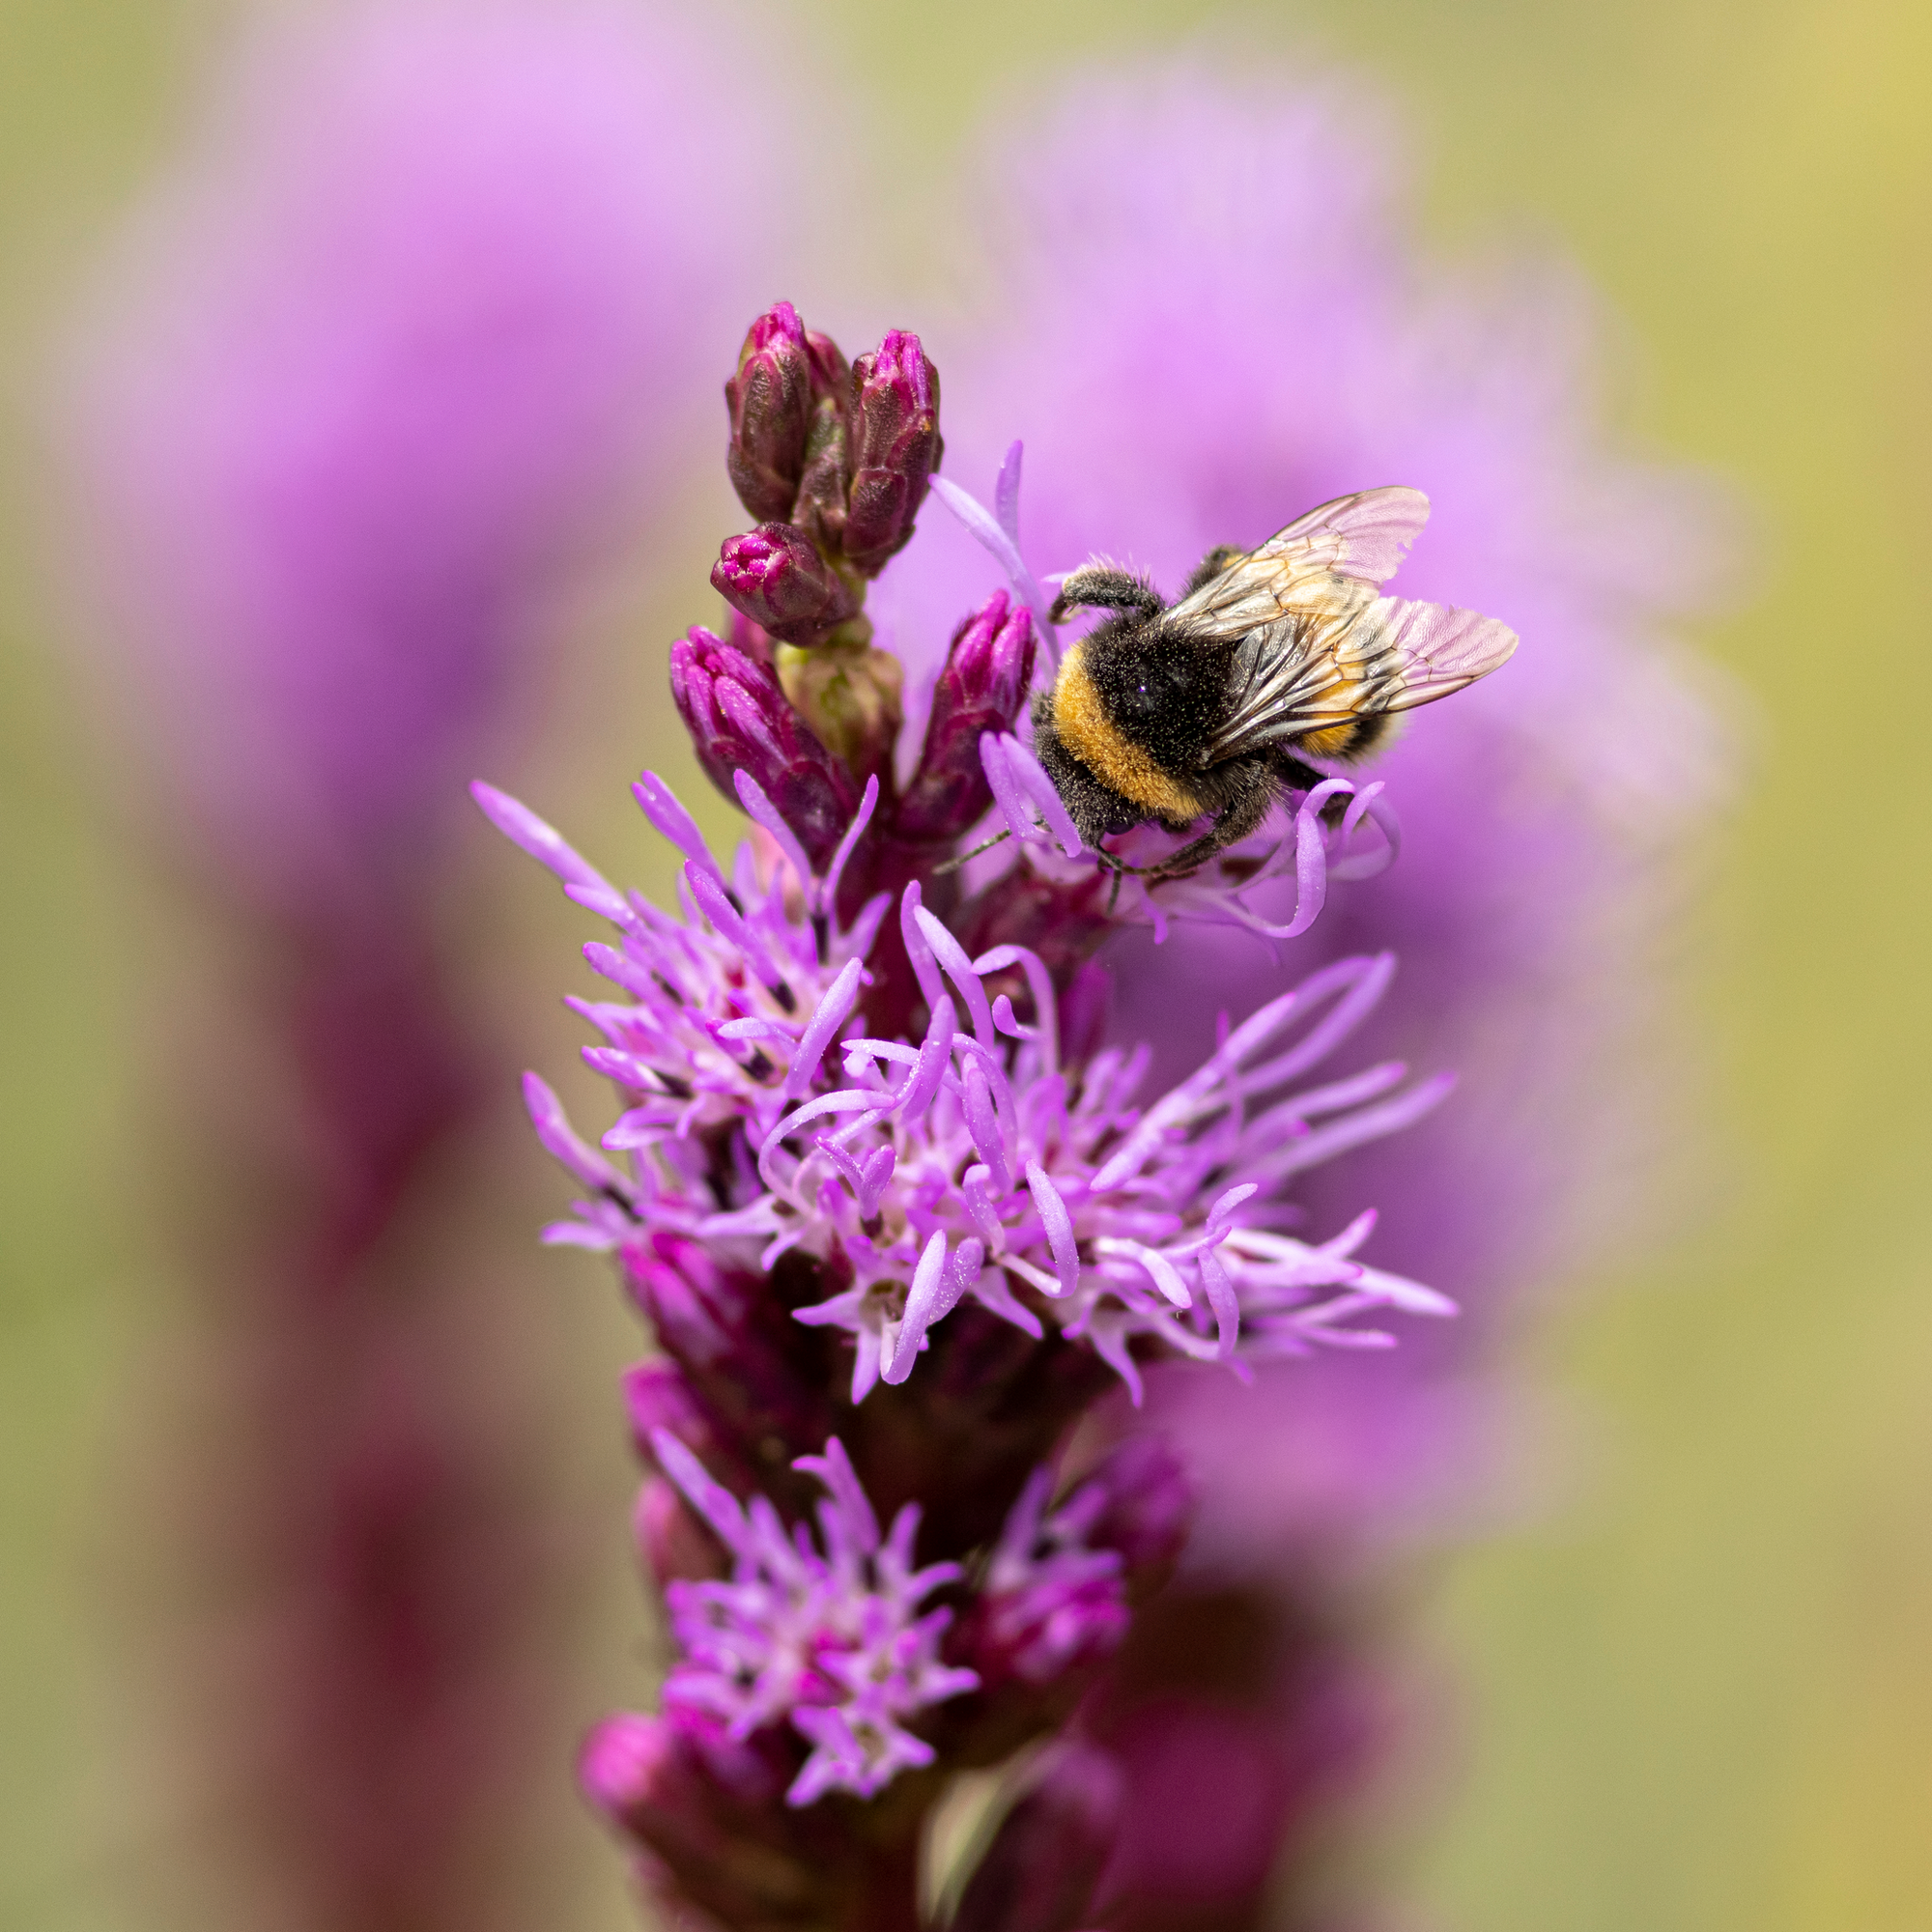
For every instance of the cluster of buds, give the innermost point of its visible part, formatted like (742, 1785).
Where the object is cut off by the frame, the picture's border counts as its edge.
(897, 1226)
(833, 459)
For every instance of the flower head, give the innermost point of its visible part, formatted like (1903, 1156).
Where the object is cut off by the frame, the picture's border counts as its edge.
(972, 1164)
(829, 1635)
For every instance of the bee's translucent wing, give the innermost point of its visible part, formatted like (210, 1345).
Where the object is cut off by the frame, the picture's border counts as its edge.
(1440, 649)
(1358, 539)
(1320, 667)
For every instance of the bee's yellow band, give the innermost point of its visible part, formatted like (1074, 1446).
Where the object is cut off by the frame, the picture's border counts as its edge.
(1091, 736)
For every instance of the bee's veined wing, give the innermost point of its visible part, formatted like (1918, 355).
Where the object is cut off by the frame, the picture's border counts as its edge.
(1440, 649)
(1362, 538)
(1310, 671)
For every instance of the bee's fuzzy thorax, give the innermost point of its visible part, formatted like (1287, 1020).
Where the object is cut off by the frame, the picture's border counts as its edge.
(1089, 722)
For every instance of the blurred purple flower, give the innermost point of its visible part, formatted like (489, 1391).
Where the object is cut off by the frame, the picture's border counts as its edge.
(375, 382)
(1212, 316)
(374, 378)
(1193, 407)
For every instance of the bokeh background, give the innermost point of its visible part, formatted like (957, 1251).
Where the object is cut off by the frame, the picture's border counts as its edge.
(1695, 1686)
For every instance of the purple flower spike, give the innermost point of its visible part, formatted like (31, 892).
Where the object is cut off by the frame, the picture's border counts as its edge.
(777, 577)
(981, 689)
(770, 400)
(740, 722)
(892, 442)
(1045, 1863)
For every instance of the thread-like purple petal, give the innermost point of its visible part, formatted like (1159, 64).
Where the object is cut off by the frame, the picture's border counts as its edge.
(830, 1015)
(712, 1500)
(708, 894)
(982, 1122)
(919, 950)
(927, 1281)
(1059, 1226)
(933, 1058)
(987, 530)
(951, 955)
(666, 811)
(853, 832)
(561, 1141)
(519, 824)
(760, 809)
(833, 1468)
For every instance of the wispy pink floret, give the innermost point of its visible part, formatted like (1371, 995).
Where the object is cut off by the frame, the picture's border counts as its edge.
(972, 1165)
(825, 1634)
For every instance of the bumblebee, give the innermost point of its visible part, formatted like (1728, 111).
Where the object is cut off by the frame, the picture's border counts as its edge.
(1213, 706)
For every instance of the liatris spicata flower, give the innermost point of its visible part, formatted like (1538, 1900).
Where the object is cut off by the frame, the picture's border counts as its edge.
(374, 387)
(900, 1221)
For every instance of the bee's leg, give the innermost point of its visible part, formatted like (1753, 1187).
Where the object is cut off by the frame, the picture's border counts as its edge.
(1239, 818)
(1210, 567)
(1298, 775)
(1106, 586)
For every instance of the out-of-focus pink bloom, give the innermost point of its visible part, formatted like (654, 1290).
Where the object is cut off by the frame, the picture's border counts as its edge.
(1279, 342)
(380, 372)
(1212, 316)
(389, 366)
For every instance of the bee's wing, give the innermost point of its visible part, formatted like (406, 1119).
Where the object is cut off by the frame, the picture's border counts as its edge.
(1361, 538)
(1322, 667)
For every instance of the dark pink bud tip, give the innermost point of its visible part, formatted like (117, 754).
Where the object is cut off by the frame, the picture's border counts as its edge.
(770, 399)
(981, 688)
(893, 446)
(776, 577)
(740, 721)
(624, 1766)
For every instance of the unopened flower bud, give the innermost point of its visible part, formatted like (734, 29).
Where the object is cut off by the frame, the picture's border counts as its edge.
(770, 400)
(741, 720)
(981, 688)
(827, 479)
(707, 1805)
(777, 577)
(1040, 1871)
(893, 446)
(850, 695)
(1149, 1505)
(677, 1545)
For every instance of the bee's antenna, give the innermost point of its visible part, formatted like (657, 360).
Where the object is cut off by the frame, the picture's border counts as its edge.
(954, 865)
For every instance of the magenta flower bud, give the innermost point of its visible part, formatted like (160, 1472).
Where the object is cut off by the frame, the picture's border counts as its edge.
(777, 577)
(740, 721)
(892, 444)
(827, 480)
(981, 688)
(1052, 1601)
(1041, 1872)
(1148, 1510)
(770, 399)
(707, 1805)
(677, 1545)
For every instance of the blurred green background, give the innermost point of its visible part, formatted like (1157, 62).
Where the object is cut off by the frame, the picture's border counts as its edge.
(1698, 1693)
